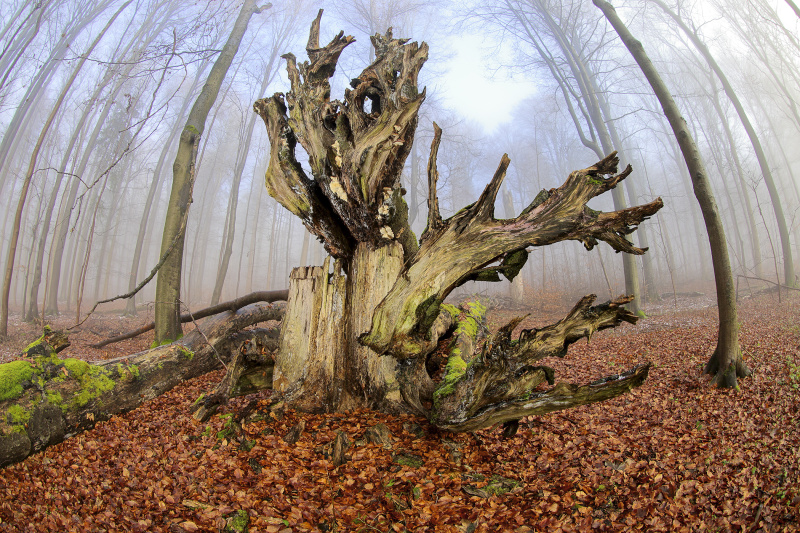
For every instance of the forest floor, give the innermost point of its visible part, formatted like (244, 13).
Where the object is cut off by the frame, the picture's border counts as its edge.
(673, 455)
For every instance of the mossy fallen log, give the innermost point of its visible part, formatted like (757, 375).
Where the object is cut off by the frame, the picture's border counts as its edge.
(46, 398)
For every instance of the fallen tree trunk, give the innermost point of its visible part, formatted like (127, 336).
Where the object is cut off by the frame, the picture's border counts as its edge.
(45, 399)
(232, 305)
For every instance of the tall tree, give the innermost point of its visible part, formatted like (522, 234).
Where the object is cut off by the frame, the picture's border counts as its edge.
(168, 284)
(726, 362)
(281, 34)
(766, 171)
(566, 60)
(12, 247)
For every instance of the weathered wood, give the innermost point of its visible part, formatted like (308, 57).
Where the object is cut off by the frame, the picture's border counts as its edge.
(391, 287)
(562, 396)
(473, 239)
(371, 375)
(504, 371)
(313, 335)
(249, 370)
(356, 148)
(48, 398)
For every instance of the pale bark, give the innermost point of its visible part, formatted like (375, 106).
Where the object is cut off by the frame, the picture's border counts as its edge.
(777, 207)
(83, 16)
(590, 105)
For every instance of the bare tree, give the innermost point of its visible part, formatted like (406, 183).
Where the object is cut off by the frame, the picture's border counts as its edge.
(726, 362)
(281, 34)
(566, 60)
(168, 326)
(694, 37)
(12, 247)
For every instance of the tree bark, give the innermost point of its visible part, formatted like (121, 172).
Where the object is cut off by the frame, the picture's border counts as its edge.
(57, 398)
(167, 307)
(726, 362)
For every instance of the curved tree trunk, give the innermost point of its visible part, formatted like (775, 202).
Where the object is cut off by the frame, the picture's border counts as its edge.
(726, 363)
(168, 284)
(777, 206)
(358, 330)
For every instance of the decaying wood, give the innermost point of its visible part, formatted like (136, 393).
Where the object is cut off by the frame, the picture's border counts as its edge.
(474, 245)
(232, 305)
(312, 336)
(497, 383)
(385, 291)
(250, 370)
(54, 398)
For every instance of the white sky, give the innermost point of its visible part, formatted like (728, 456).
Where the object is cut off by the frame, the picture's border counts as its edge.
(470, 84)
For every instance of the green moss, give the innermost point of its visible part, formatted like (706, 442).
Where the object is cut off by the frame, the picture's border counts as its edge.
(199, 400)
(409, 460)
(128, 373)
(238, 522)
(187, 353)
(12, 375)
(452, 309)
(94, 380)
(453, 372)
(468, 326)
(477, 309)
(156, 344)
(17, 415)
(49, 368)
(54, 397)
(92, 386)
(76, 368)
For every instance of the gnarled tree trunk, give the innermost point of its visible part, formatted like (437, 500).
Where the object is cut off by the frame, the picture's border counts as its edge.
(359, 330)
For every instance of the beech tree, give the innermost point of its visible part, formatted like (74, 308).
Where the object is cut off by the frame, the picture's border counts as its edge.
(775, 197)
(168, 325)
(726, 362)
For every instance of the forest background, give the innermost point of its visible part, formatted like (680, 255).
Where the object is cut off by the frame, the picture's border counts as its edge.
(104, 126)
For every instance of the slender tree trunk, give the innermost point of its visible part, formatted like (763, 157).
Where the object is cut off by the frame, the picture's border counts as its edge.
(12, 247)
(241, 160)
(9, 58)
(168, 284)
(755, 243)
(726, 363)
(794, 7)
(589, 95)
(788, 261)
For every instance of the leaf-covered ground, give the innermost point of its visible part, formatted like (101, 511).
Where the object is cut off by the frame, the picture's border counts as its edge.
(673, 455)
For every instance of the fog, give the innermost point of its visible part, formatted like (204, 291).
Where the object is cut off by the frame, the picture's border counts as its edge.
(94, 137)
